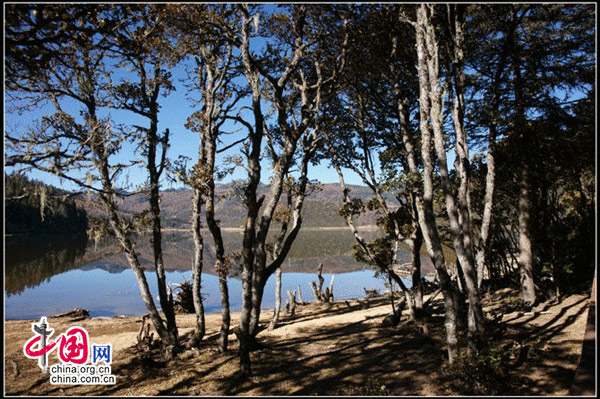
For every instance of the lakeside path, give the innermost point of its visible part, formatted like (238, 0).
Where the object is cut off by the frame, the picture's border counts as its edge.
(334, 349)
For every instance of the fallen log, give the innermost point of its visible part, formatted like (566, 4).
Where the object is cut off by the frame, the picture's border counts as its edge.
(75, 314)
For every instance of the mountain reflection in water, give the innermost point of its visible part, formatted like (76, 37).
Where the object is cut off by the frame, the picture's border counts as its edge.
(49, 275)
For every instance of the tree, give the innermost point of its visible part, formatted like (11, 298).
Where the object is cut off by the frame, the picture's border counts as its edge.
(489, 55)
(294, 88)
(358, 127)
(32, 207)
(529, 67)
(58, 54)
(141, 45)
(215, 68)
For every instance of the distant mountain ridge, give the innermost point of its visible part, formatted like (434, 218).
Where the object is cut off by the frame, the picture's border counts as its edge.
(320, 207)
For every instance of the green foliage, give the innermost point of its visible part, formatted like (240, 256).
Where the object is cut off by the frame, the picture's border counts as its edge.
(354, 207)
(562, 192)
(380, 249)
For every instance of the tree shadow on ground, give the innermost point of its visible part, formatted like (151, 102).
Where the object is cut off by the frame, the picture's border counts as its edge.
(358, 358)
(340, 360)
(548, 367)
(312, 311)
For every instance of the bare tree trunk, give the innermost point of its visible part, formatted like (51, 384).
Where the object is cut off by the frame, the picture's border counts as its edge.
(154, 174)
(225, 313)
(417, 285)
(215, 230)
(166, 302)
(455, 24)
(315, 290)
(200, 327)
(525, 252)
(277, 309)
(245, 320)
(488, 203)
(463, 253)
(284, 245)
(490, 178)
(254, 252)
(321, 281)
(300, 300)
(425, 206)
(108, 198)
(258, 289)
(525, 257)
(292, 302)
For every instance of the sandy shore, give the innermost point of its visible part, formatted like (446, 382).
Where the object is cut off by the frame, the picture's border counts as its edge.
(336, 349)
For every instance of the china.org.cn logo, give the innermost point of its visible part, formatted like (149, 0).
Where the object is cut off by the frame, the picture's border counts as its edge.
(73, 350)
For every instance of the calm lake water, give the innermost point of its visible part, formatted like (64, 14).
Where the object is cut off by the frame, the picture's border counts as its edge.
(47, 276)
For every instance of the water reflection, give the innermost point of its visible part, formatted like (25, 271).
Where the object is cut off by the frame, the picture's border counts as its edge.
(333, 248)
(50, 275)
(29, 261)
(112, 294)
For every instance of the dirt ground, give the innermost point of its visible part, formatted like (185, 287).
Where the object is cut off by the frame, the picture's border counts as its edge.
(335, 349)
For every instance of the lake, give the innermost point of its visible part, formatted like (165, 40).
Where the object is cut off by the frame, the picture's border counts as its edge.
(46, 276)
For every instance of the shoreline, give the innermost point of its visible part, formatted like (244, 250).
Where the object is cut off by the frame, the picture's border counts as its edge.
(325, 349)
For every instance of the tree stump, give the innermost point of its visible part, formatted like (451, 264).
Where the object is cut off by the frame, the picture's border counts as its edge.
(291, 302)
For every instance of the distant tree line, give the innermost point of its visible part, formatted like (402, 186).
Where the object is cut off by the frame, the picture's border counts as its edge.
(32, 207)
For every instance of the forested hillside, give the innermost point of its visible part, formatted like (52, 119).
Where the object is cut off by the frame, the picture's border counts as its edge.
(32, 207)
(320, 210)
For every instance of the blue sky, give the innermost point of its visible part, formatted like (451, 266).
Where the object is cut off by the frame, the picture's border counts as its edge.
(173, 115)
(175, 109)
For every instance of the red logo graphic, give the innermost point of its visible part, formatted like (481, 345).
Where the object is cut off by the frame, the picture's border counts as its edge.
(73, 346)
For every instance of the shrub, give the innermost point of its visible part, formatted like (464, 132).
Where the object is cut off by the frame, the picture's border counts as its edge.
(485, 373)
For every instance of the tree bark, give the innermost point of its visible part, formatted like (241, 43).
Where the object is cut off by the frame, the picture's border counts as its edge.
(525, 257)
(490, 179)
(425, 206)
(292, 129)
(417, 285)
(165, 303)
(459, 236)
(321, 281)
(215, 230)
(525, 252)
(225, 312)
(300, 300)
(277, 309)
(251, 201)
(292, 302)
(488, 204)
(200, 327)
(108, 198)
(315, 290)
